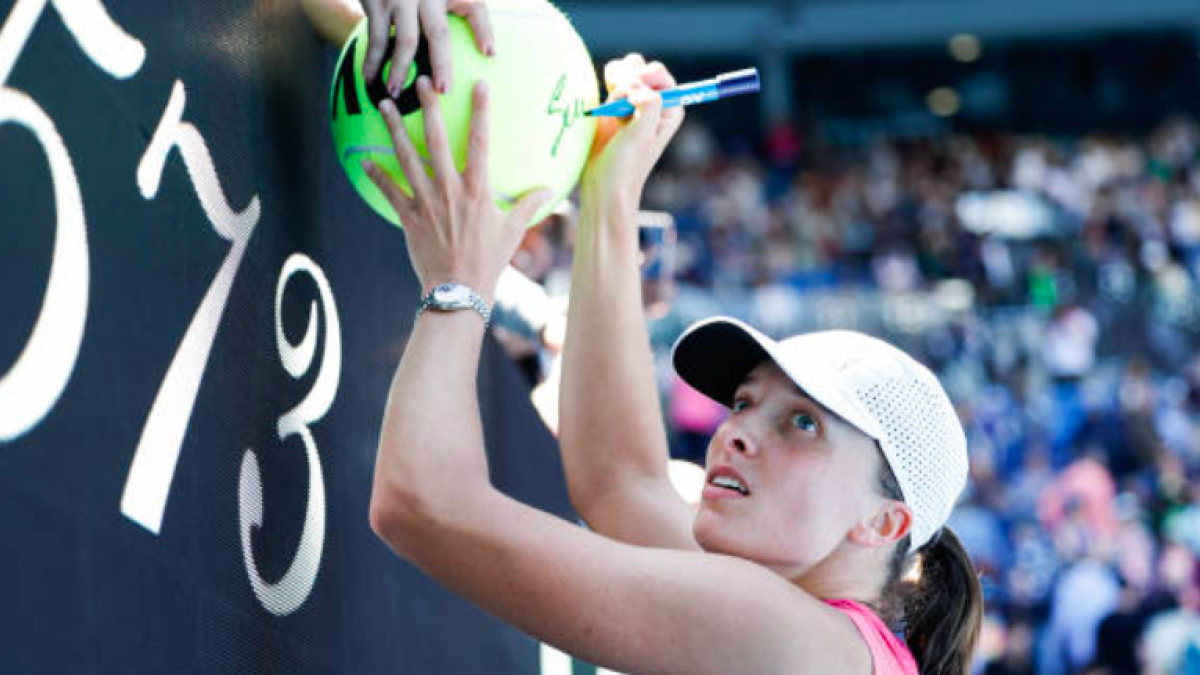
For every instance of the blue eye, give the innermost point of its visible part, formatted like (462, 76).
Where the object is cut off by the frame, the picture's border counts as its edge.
(739, 404)
(804, 422)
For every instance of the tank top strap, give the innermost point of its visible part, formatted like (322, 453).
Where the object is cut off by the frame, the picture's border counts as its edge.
(889, 654)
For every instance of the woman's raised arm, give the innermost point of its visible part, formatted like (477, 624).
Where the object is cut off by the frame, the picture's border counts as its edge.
(637, 609)
(611, 429)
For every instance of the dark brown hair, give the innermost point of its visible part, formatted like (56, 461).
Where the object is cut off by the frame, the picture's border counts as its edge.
(940, 611)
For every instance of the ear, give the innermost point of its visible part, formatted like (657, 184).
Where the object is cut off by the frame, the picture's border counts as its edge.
(888, 524)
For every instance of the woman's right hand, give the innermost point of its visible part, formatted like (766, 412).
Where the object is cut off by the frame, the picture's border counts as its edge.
(430, 17)
(626, 149)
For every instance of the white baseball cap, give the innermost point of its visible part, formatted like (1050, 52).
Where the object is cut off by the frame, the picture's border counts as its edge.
(875, 387)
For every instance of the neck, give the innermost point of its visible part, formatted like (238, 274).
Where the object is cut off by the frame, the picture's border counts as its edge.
(850, 572)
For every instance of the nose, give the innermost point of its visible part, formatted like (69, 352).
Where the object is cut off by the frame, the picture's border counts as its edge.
(736, 439)
(737, 444)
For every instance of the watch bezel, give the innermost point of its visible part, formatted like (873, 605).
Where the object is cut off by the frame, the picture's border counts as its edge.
(456, 296)
(453, 296)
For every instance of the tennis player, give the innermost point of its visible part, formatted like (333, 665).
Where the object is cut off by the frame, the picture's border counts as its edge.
(820, 543)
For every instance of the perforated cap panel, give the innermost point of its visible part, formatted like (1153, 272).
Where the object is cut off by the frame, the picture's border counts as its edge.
(922, 440)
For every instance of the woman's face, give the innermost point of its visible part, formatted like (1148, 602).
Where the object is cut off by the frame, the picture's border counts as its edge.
(787, 479)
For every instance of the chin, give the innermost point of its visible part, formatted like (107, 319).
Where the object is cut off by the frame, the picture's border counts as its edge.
(711, 532)
(705, 529)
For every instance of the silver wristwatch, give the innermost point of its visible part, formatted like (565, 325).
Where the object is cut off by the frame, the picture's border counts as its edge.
(454, 296)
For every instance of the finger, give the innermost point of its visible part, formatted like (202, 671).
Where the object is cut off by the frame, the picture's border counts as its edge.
(527, 206)
(378, 25)
(476, 14)
(617, 74)
(407, 40)
(671, 119)
(649, 110)
(634, 60)
(437, 37)
(436, 140)
(656, 76)
(668, 125)
(391, 191)
(632, 66)
(611, 75)
(476, 173)
(619, 92)
(627, 71)
(406, 154)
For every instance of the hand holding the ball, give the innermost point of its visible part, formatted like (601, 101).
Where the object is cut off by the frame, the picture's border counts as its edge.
(411, 18)
(454, 229)
(626, 149)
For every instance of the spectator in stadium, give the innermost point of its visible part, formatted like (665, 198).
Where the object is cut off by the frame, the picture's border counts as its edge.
(410, 21)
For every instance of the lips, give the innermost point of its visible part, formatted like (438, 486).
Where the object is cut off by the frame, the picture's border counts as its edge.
(725, 483)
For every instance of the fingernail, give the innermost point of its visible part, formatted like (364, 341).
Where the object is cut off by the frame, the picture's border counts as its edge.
(394, 90)
(489, 50)
(367, 165)
(386, 106)
(441, 86)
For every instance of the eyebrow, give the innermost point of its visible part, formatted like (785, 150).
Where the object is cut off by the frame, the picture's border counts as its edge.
(795, 392)
(797, 395)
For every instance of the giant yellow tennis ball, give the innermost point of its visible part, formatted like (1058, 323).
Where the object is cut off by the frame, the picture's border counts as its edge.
(540, 83)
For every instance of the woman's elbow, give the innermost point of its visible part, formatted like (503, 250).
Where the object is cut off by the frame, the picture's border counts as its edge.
(395, 517)
(581, 493)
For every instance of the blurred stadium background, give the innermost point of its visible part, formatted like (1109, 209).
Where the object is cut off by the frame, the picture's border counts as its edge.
(1010, 189)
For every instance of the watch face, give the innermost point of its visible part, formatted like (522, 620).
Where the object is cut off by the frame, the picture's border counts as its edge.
(452, 294)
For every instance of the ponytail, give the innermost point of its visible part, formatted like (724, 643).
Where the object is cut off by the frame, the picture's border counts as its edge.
(944, 608)
(940, 611)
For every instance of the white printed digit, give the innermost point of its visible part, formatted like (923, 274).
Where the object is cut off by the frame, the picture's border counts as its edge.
(289, 593)
(32, 386)
(34, 383)
(154, 462)
(115, 51)
(552, 661)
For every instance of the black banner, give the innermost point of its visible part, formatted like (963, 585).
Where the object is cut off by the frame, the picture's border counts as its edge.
(199, 320)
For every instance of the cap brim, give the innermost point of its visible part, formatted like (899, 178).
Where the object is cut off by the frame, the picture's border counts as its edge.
(715, 355)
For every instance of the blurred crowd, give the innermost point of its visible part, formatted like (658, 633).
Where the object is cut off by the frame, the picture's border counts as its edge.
(1053, 283)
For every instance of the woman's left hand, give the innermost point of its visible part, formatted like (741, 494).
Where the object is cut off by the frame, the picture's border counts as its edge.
(454, 229)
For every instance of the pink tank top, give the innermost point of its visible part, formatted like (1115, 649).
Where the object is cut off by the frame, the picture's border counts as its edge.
(889, 654)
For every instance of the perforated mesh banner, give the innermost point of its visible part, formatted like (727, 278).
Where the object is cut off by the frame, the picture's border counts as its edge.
(199, 321)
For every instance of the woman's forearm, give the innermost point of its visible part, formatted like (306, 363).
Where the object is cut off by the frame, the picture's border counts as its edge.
(333, 20)
(431, 445)
(611, 427)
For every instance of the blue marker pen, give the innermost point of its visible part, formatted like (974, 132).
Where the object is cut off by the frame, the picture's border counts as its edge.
(722, 86)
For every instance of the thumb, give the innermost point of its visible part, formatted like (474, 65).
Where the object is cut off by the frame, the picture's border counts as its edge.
(528, 205)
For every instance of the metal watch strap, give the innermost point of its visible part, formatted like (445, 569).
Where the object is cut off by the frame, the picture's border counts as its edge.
(460, 296)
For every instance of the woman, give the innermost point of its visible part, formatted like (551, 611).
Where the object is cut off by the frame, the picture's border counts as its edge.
(836, 469)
